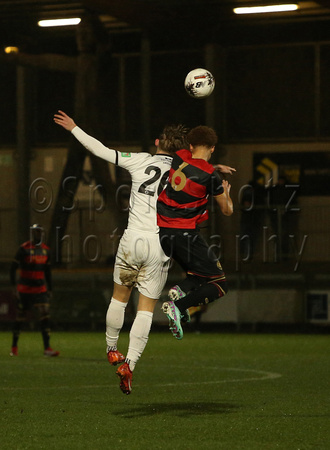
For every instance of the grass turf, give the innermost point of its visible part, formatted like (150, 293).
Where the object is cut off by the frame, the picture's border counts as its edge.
(214, 391)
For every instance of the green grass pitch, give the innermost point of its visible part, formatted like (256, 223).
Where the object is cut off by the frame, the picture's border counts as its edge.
(208, 391)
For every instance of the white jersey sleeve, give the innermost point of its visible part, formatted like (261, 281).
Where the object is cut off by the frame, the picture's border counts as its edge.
(149, 174)
(94, 146)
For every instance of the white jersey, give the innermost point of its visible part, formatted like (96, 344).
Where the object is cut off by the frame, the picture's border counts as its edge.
(148, 172)
(140, 259)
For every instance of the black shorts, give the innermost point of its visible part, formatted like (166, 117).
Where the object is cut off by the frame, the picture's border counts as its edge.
(190, 250)
(25, 302)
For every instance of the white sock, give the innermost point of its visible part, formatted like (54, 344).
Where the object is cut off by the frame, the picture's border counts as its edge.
(138, 337)
(114, 322)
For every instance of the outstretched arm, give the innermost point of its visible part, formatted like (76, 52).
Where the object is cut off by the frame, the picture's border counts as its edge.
(64, 120)
(90, 143)
(224, 169)
(224, 201)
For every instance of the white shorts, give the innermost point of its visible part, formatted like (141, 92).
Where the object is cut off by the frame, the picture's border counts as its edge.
(141, 262)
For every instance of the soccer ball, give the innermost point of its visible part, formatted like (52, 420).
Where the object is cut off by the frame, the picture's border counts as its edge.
(199, 83)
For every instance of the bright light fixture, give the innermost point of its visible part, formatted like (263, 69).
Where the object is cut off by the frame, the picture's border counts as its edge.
(59, 22)
(266, 9)
(11, 49)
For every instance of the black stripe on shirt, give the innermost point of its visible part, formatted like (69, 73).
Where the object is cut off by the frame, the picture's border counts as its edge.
(186, 213)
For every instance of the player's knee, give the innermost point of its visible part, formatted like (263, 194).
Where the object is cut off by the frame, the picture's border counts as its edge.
(43, 309)
(222, 287)
(44, 318)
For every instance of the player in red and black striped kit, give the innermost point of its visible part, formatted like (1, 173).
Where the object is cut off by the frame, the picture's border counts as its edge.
(34, 286)
(181, 207)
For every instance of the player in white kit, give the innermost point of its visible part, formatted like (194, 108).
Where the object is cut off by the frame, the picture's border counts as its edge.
(140, 260)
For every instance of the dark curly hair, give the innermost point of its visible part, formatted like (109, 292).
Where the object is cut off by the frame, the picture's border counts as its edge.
(173, 138)
(202, 135)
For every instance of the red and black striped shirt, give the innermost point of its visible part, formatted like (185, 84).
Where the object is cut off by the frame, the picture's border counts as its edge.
(33, 261)
(183, 202)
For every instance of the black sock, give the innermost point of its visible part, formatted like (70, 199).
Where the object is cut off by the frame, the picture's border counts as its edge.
(205, 294)
(190, 283)
(45, 331)
(16, 333)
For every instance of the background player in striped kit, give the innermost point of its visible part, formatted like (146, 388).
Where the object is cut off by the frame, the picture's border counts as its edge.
(34, 286)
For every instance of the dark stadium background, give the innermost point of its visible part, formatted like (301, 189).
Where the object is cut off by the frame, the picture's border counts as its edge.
(271, 103)
(254, 373)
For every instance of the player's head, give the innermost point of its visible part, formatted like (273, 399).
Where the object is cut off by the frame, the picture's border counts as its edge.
(173, 138)
(202, 136)
(36, 234)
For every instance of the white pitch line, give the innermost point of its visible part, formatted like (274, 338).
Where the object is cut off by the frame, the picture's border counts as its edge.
(264, 376)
